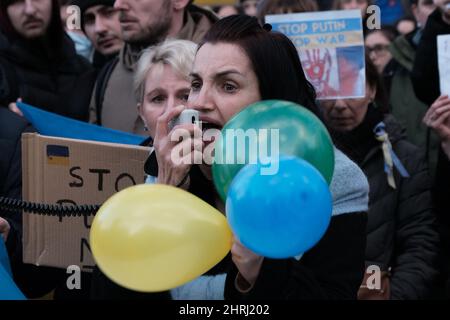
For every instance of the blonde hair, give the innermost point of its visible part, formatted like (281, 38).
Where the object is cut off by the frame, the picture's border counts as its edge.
(179, 54)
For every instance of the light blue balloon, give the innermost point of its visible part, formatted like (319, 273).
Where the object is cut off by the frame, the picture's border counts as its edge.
(281, 215)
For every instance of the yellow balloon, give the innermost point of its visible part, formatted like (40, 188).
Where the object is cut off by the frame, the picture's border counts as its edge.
(155, 237)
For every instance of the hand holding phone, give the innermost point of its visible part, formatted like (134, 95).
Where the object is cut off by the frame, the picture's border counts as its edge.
(188, 116)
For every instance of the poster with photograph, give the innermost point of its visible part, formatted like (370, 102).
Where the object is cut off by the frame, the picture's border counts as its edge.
(443, 44)
(331, 47)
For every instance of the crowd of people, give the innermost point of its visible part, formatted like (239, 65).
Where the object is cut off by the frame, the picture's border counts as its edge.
(135, 65)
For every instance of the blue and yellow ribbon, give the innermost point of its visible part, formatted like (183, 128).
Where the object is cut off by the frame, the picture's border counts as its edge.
(390, 158)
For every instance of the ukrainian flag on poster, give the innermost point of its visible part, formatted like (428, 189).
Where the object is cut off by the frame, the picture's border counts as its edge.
(58, 155)
(51, 124)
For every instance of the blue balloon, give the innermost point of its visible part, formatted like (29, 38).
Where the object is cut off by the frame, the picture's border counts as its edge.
(281, 215)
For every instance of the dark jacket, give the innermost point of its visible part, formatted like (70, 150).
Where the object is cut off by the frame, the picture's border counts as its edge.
(401, 230)
(62, 85)
(426, 85)
(425, 74)
(33, 281)
(404, 104)
(11, 128)
(333, 269)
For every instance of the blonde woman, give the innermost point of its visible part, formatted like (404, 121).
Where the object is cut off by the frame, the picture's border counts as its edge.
(161, 83)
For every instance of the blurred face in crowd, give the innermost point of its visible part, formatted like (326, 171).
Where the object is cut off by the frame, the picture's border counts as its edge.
(164, 89)
(250, 7)
(355, 4)
(378, 47)
(223, 83)
(30, 18)
(102, 27)
(144, 20)
(346, 114)
(406, 26)
(422, 10)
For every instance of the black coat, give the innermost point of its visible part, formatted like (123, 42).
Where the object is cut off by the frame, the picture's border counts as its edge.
(31, 280)
(425, 78)
(11, 128)
(401, 230)
(61, 83)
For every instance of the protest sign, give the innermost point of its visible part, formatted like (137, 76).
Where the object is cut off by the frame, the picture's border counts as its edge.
(331, 48)
(71, 172)
(443, 45)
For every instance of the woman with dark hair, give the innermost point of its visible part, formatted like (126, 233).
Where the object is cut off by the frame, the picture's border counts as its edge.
(402, 241)
(237, 64)
(38, 62)
(377, 44)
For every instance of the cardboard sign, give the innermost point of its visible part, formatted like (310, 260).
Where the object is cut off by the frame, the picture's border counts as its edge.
(68, 172)
(443, 45)
(331, 48)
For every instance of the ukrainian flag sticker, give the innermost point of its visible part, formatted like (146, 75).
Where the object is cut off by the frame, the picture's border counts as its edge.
(57, 155)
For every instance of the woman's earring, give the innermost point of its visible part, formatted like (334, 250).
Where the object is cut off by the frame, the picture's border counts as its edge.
(145, 128)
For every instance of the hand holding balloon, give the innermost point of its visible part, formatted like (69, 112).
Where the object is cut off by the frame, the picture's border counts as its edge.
(282, 215)
(248, 263)
(156, 237)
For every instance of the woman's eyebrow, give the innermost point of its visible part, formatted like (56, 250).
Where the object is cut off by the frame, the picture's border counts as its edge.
(194, 75)
(155, 90)
(219, 74)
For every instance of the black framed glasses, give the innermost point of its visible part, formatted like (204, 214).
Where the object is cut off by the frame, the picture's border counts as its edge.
(378, 49)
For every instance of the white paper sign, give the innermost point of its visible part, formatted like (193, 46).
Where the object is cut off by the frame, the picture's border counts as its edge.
(444, 63)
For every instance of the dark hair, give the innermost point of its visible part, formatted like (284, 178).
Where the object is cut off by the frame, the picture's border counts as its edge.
(273, 56)
(374, 81)
(267, 7)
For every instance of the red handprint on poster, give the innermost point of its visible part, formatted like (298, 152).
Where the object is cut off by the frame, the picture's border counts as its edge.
(318, 65)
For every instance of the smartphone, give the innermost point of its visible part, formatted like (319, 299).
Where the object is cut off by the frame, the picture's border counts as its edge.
(186, 116)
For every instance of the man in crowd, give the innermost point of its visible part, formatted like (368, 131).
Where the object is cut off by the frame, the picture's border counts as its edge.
(143, 23)
(100, 23)
(405, 106)
(83, 45)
